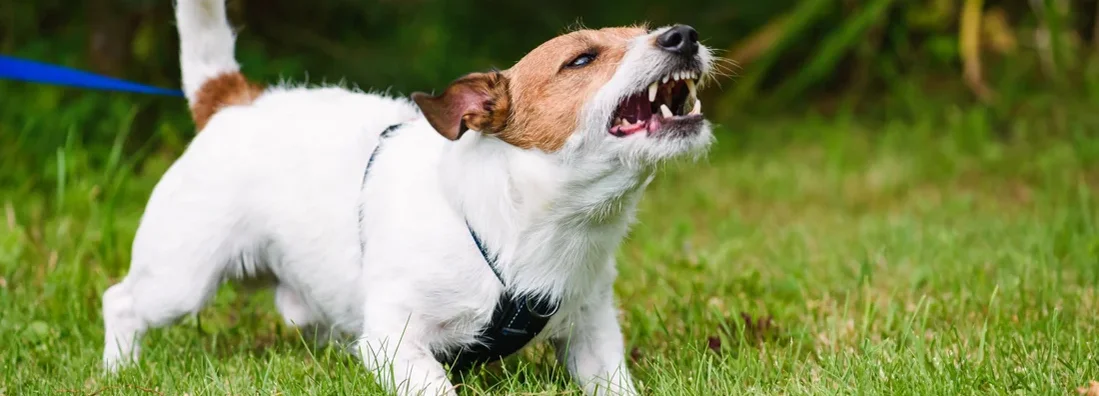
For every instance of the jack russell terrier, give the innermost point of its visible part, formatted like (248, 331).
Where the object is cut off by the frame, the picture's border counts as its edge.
(446, 231)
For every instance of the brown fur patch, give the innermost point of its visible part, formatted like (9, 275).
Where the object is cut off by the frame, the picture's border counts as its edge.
(537, 102)
(229, 89)
(547, 98)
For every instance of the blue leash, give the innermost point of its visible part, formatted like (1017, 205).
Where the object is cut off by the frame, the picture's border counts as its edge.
(30, 71)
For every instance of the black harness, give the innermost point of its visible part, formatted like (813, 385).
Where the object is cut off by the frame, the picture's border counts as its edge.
(516, 320)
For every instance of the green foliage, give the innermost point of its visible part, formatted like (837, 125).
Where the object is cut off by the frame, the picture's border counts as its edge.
(831, 50)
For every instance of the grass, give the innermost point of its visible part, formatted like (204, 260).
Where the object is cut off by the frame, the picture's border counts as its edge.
(945, 253)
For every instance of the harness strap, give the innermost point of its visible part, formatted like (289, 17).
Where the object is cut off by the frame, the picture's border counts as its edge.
(516, 319)
(386, 133)
(491, 260)
(515, 322)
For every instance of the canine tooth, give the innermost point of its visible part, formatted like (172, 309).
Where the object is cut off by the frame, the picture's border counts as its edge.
(652, 91)
(665, 111)
(623, 122)
(698, 107)
(691, 88)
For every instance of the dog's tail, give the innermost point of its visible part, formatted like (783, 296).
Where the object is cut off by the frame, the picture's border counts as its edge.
(211, 75)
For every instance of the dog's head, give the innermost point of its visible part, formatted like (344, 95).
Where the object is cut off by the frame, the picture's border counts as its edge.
(630, 93)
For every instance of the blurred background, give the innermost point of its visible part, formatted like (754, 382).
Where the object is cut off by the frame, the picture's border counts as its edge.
(824, 55)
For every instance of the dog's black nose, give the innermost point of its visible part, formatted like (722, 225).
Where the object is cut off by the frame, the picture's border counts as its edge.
(680, 39)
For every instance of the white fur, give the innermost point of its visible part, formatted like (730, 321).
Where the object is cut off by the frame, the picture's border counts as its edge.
(206, 43)
(276, 188)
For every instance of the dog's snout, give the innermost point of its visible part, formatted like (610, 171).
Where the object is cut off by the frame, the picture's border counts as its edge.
(680, 39)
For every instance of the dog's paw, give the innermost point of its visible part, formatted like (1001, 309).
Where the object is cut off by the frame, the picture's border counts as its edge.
(114, 362)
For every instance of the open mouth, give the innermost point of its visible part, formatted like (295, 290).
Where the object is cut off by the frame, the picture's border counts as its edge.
(673, 99)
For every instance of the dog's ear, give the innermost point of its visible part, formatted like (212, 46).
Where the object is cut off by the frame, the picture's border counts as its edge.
(477, 101)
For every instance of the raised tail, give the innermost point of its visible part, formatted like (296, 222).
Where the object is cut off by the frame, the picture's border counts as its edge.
(211, 75)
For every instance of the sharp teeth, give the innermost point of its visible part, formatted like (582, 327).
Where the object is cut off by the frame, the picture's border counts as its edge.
(690, 88)
(623, 122)
(676, 76)
(652, 92)
(665, 81)
(698, 107)
(665, 111)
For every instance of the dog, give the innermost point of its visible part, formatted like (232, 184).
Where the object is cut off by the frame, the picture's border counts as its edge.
(436, 231)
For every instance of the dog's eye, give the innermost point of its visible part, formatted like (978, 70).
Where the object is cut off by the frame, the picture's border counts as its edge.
(581, 61)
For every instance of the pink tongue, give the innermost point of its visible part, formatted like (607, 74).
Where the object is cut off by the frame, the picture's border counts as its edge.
(621, 130)
(633, 128)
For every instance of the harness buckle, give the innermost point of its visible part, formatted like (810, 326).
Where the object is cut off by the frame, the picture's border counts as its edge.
(532, 307)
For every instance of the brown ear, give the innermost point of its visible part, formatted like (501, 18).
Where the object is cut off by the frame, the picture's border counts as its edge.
(477, 101)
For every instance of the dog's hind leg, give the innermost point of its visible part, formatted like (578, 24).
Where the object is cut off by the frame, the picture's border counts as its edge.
(180, 256)
(296, 313)
(293, 310)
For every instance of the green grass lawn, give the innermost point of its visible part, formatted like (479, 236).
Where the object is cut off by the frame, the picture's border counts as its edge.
(941, 255)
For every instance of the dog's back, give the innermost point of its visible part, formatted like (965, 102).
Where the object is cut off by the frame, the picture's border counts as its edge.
(268, 165)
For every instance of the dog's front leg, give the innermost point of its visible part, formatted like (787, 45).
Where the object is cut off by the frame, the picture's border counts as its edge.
(402, 367)
(593, 349)
(394, 346)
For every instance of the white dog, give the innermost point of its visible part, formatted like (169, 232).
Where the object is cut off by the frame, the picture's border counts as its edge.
(449, 229)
